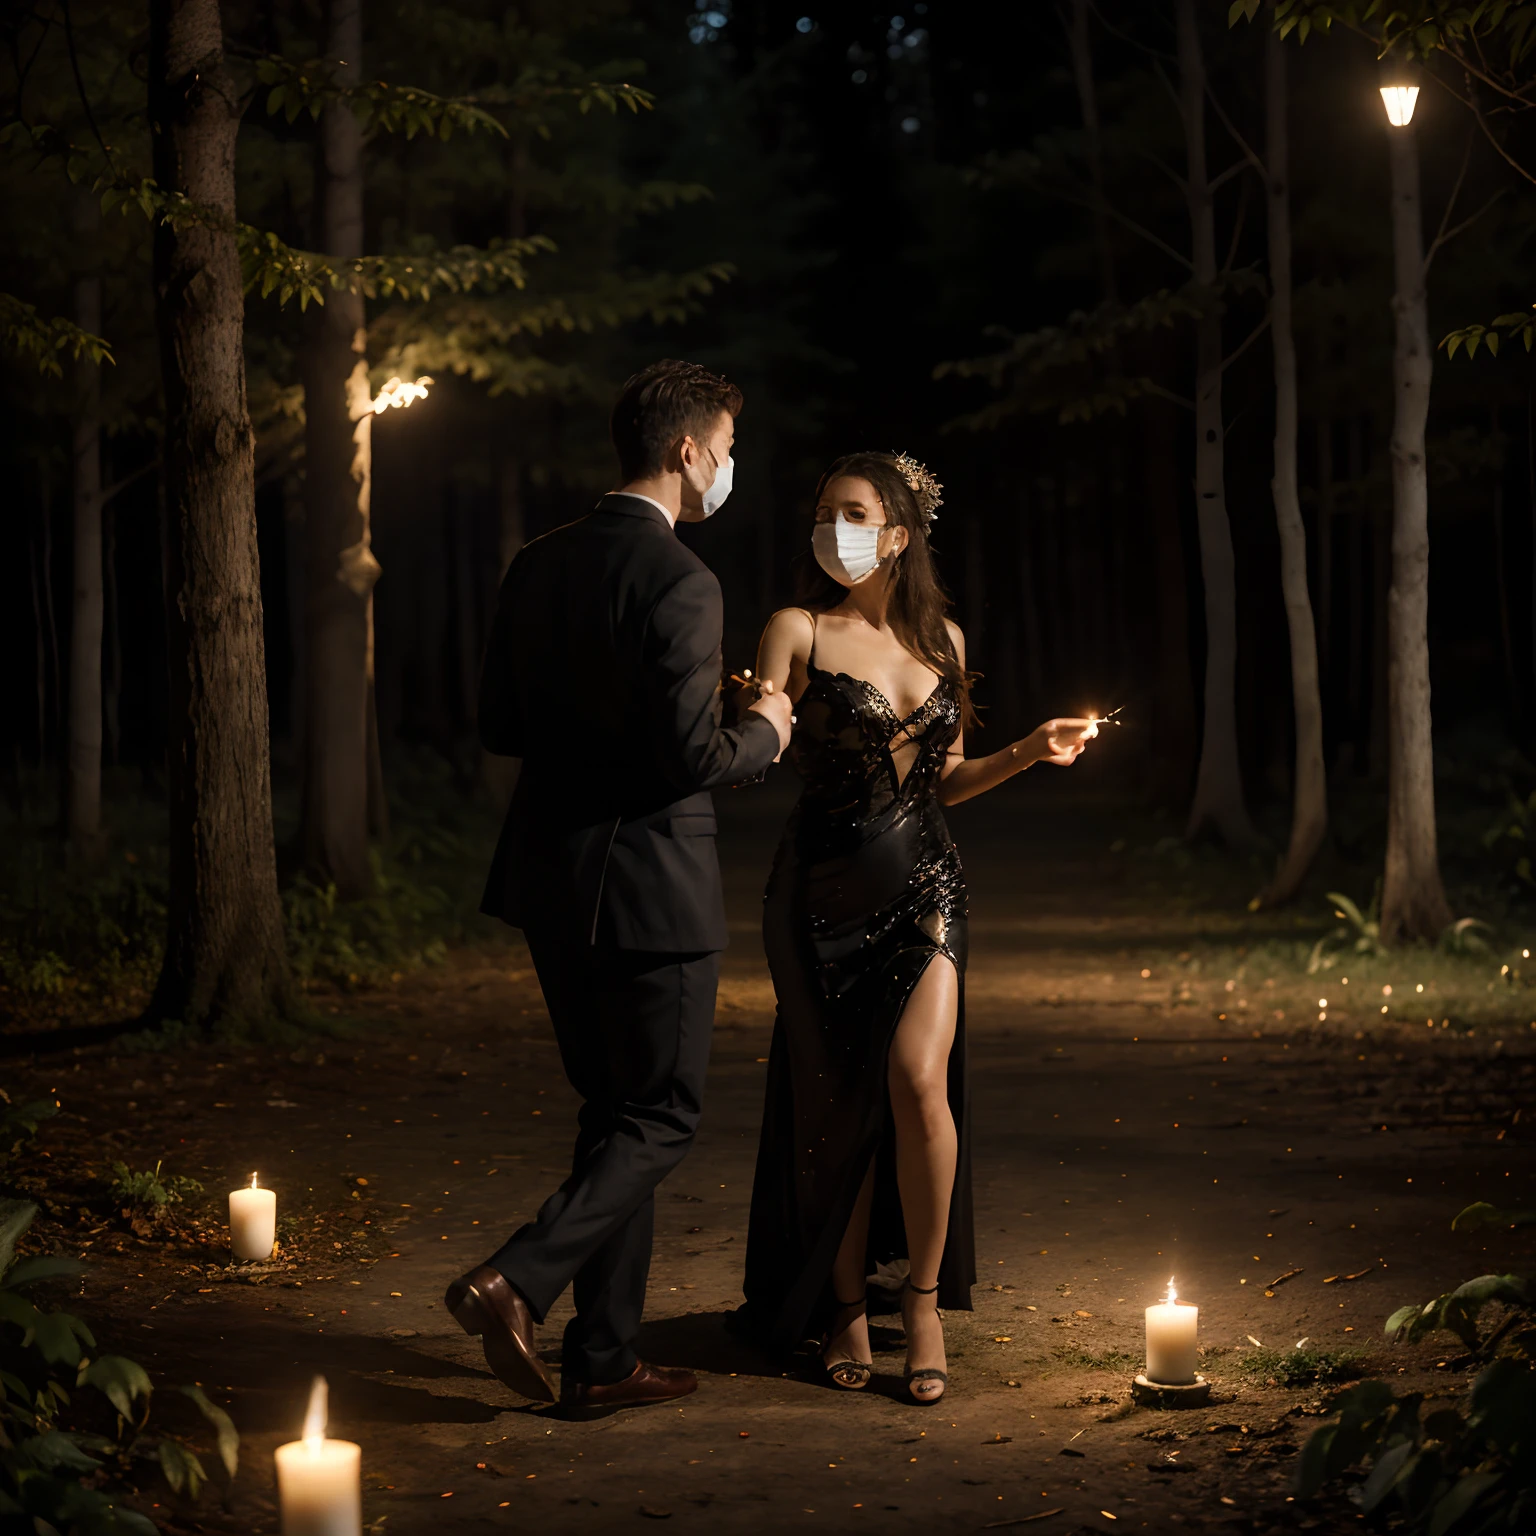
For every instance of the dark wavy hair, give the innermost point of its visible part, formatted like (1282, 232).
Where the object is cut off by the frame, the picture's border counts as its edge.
(918, 598)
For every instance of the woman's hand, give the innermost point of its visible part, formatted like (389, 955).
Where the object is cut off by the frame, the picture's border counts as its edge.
(1060, 741)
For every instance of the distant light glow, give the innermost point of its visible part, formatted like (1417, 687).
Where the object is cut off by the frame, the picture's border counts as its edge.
(910, 124)
(1400, 101)
(401, 392)
(805, 24)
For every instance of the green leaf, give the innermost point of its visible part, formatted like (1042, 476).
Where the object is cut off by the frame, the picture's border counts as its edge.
(121, 1379)
(30, 1271)
(55, 1451)
(58, 1336)
(228, 1435)
(1492, 339)
(183, 1471)
(1400, 1319)
(17, 1309)
(15, 1217)
(1504, 1403)
(1459, 1502)
(1391, 1468)
(1312, 1465)
(1481, 1214)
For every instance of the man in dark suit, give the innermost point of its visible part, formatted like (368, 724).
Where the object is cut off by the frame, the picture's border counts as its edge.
(603, 676)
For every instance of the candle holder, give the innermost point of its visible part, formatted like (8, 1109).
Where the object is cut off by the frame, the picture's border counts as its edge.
(1170, 1379)
(1159, 1394)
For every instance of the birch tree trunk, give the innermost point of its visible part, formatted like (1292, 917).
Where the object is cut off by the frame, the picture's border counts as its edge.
(1218, 801)
(224, 954)
(82, 810)
(1309, 807)
(1413, 904)
(340, 568)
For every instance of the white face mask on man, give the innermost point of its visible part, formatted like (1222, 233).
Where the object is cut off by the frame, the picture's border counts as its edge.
(714, 497)
(847, 552)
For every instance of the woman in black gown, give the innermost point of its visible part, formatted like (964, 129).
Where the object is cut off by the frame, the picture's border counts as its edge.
(864, 1157)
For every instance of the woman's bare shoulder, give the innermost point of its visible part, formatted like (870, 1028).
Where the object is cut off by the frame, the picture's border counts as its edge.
(790, 624)
(956, 639)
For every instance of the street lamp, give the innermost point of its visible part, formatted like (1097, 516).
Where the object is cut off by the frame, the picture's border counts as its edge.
(1399, 91)
(1413, 904)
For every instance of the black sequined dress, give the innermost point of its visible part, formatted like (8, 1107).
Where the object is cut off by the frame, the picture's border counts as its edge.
(866, 892)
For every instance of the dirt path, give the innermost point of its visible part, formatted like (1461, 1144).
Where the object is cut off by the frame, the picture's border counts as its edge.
(1122, 1135)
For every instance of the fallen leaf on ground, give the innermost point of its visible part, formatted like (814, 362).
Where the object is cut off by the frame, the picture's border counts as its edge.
(997, 1525)
(1082, 1314)
(652, 1513)
(1359, 1274)
(1290, 1274)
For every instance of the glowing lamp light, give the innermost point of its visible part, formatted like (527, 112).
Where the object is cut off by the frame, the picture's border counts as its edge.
(1399, 82)
(401, 392)
(1399, 101)
(319, 1481)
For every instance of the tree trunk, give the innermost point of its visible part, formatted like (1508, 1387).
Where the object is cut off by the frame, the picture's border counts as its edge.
(112, 697)
(1172, 727)
(1081, 47)
(1309, 805)
(39, 575)
(338, 451)
(1501, 585)
(1325, 515)
(224, 953)
(1413, 904)
(1218, 799)
(82, 812)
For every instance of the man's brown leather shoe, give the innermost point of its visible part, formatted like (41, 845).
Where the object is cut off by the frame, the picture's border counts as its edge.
(647, 1384)
(485, 1304)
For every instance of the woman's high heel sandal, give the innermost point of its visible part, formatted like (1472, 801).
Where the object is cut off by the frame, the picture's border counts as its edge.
(848, 1373)
(927, 1373)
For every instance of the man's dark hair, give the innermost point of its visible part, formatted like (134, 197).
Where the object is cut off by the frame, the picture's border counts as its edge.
(661, 404)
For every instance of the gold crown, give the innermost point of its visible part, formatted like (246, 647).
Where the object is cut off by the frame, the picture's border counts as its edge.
(924, 485)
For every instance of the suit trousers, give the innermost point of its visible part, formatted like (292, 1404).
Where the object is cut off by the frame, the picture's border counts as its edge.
(634, 1033)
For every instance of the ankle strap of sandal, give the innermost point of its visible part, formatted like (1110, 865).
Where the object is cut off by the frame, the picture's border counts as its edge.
(861, 1301)
(918, 1290)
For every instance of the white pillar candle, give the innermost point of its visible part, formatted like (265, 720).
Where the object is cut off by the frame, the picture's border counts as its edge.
(252, 1221)
(319, 1481)
(1171, 1329)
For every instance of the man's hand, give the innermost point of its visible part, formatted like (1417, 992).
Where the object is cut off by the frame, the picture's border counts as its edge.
(1060, 741)
(775, 708)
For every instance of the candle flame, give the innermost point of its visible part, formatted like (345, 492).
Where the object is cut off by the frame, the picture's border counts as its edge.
(400, 392)
(316, 1415)
(1170, 1298)
(253, 1181)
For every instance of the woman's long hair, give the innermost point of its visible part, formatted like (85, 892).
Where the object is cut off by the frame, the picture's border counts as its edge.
(918, 600)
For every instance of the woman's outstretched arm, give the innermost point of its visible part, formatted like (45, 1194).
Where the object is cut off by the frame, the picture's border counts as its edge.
(1057, 741)
(785, 650)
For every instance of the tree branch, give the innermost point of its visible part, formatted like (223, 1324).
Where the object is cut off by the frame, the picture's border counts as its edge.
(1247, 342)
(118, 486)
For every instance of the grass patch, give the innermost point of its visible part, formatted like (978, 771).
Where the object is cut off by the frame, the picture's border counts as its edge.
(1296, 1367)
(1080, 1359)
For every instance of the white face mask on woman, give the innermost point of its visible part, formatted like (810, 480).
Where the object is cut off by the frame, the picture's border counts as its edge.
(847, 552)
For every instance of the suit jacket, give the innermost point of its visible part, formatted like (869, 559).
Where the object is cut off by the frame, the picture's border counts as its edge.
(603, 675)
